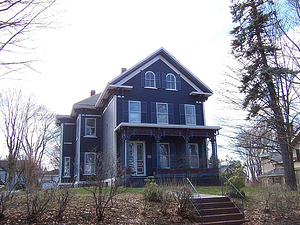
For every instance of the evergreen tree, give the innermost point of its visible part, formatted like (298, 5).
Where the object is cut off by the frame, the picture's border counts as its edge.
(265, 83)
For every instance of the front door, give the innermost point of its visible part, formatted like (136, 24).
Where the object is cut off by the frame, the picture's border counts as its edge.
(137, 159)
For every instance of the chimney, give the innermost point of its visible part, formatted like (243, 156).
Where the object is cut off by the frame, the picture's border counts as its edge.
(123, 70)
(93, 92)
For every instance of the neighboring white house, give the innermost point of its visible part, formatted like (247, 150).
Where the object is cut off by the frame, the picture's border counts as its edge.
(273, 171)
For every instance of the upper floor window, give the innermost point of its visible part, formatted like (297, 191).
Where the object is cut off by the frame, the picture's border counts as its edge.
(150, 79)
(162, 113)
(90, 127)
(67, 166)
(134, 111)
(170, 81)
(194, 155)
(190, 115)
(164, 155)
(89, 163)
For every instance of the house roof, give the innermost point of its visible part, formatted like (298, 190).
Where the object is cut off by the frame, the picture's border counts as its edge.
(273, 173)
(161, 54)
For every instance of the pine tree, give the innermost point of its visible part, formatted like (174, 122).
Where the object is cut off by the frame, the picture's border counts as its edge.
(263, 76)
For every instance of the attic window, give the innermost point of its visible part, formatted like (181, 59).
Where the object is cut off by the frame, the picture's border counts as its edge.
(170, 81)
(149, 79)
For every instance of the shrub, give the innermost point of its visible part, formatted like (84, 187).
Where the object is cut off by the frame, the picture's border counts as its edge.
(152, 192)
(279, 199)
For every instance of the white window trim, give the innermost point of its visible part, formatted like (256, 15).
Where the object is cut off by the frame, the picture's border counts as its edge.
(154, 80)
(85, 126)
(67, 176)
(171, 89)
(186, 115)
(157, 113)
(85, 155)
(196, 146)
(169, 167)
(140, 112)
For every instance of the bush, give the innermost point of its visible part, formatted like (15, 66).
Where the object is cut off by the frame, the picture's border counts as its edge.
(152, 191)
(279, 199)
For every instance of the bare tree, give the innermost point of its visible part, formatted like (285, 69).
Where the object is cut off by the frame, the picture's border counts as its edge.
(28, 129)
(19, 18)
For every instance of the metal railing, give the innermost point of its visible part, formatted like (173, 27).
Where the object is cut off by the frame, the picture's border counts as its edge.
(229, 190)
(196, 195)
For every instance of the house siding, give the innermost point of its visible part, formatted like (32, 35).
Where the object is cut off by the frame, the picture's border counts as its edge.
(108, 128)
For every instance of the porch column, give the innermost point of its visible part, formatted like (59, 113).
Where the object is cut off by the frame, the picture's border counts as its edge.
(127, 156)
(187, 152)
(158, 166)
(214, 152)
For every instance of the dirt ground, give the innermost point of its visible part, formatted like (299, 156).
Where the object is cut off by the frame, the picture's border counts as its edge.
(132, 209)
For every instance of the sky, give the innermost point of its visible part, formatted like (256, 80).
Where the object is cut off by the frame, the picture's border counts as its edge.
(92, 40)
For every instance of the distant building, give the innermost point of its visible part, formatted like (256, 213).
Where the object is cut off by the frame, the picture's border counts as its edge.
(151, 117)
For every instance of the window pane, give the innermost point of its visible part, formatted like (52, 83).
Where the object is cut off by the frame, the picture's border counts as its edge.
(90, 127)
(194, 157)
(190, 115)
(170, 81)
(134, 106)
(164, 156)
(149, 79)
(162, 113)
(134, 112)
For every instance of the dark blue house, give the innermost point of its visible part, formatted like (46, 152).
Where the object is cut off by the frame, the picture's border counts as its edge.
(151, 117)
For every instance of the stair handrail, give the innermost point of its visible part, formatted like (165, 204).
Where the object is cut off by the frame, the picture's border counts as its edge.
(241, 196)
(198, 195)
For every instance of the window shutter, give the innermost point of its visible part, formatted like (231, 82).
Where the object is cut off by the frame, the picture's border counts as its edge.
(157, 78)
(178, 82)
(125, 111)
(142, 78)
(171, 113)
(182, 114)
(163, 77)
(199, 115)
(153, 112)
(144, 112)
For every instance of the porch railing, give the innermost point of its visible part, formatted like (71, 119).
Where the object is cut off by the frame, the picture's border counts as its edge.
(195, 195)
(229, 190)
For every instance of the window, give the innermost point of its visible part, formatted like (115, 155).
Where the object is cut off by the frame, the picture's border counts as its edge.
(150, 79)
(89, 163)
(190, 115)
(162, 113)
(67, 167)
(90, 127)
(134, 111)
(170, 81)
(194, 155)
(164, 156)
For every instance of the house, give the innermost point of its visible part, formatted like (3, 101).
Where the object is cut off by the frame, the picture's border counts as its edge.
(151, 117)
(16, 178)
(272, 167)
(50, 179)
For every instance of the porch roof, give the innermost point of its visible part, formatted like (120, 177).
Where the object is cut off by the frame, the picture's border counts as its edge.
(167, 126)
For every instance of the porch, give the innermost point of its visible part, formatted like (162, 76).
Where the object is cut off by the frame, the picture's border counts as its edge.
(164, 153)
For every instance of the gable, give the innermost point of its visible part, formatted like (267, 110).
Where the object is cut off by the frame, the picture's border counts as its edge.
(167, 61)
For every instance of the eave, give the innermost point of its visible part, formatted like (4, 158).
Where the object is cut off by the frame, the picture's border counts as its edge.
(105, 94)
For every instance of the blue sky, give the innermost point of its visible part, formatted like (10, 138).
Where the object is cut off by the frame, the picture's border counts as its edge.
(94, 39)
